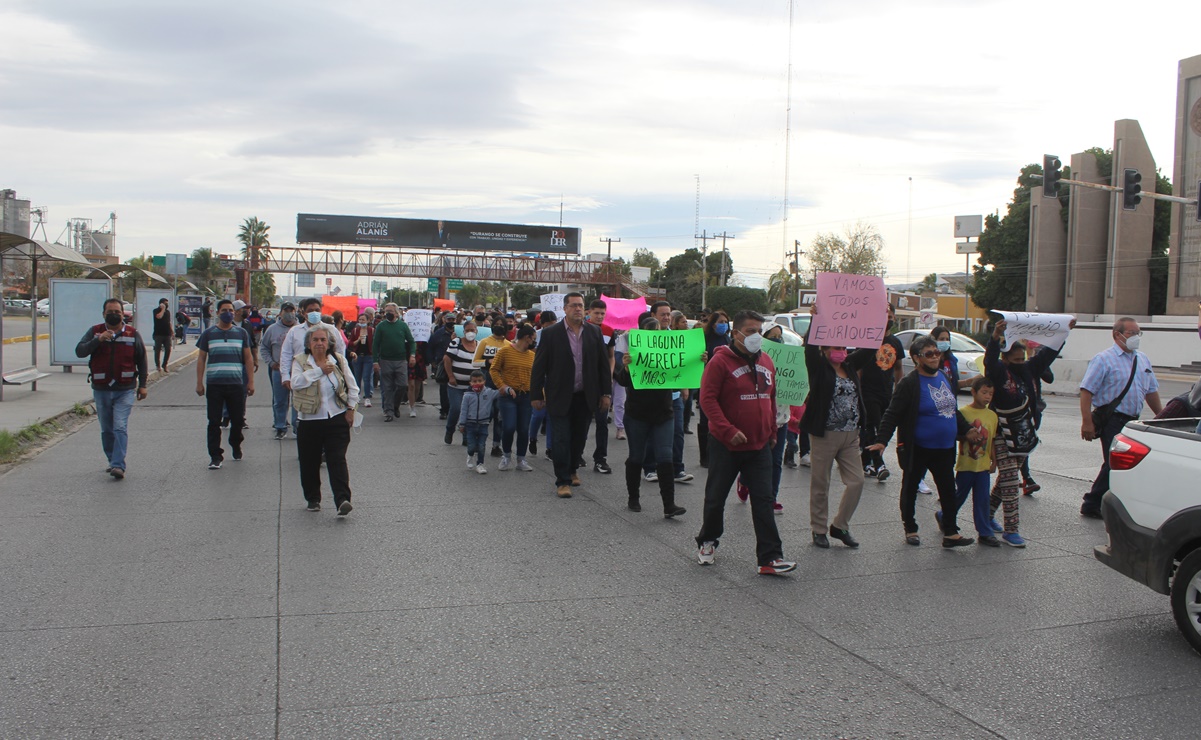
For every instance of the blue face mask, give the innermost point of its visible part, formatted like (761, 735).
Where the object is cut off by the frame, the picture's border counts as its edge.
(226, 317)
(944, 346)
(721, 328)
(314, 317)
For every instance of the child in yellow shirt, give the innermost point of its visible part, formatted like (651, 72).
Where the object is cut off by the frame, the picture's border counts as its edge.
(976, 462)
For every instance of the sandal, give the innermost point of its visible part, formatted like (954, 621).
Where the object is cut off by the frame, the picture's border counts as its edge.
(912, 538)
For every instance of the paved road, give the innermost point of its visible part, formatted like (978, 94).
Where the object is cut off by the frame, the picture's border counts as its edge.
(188, 603)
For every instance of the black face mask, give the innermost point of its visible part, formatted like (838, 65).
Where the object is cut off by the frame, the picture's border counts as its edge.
(499, 331)
(390, 317)
(890, 323)
(113, 318)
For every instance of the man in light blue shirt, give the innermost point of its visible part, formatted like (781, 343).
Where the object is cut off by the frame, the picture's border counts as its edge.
(1107, 375)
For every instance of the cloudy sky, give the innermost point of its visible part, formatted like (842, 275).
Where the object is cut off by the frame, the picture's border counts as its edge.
(186, 117)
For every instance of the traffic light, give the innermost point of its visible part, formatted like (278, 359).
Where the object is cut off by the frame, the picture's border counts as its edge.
(1051, 175)
(1131, 188)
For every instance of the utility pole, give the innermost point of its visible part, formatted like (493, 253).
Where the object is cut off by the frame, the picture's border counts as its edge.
(796, 269)
(723, 236)
(608, 241)
(704, 237)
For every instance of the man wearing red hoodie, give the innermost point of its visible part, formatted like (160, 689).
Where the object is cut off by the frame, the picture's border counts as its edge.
(738, 396)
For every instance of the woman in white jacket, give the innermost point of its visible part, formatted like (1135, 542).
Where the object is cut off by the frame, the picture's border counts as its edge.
(324, 394)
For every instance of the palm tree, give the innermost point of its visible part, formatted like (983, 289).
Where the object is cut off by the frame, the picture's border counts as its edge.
(256, 244)
(781, 288)
(206, 271)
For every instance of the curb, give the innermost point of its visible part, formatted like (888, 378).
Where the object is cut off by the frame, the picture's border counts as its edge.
(14, 340)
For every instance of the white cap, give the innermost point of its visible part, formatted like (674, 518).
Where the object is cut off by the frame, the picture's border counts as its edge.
(239, 305)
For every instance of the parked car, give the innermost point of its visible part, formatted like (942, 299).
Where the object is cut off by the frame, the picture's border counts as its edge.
(17, 307)
(797, 322)
(1153, 514)
(968, 352)
(44, 307)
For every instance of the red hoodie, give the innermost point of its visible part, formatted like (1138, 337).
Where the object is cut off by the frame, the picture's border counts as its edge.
(737, 396)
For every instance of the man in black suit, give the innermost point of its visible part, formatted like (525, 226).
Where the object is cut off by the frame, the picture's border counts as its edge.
(572, 378)
(441, 237)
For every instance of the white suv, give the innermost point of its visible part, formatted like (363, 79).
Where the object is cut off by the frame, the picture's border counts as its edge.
(1153, 514)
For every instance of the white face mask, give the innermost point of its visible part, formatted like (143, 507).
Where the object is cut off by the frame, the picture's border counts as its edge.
(1133, 342)
(469, 336)
(752, 342)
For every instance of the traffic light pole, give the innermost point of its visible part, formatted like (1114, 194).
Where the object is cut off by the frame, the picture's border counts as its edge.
(1116, 189)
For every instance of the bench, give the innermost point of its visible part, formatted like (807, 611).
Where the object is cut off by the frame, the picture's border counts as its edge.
(24, 375)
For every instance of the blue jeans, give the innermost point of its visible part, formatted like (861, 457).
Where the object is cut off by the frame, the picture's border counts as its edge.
(515, 415)
(677, 443)
(364, 370)
(112, 408)
(978, 484)
(536, 419)
(279, 400)
(477, 439)
(653, 439)
(454, 393)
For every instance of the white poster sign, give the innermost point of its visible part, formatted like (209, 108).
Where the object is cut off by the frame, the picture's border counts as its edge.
(553, 302)
(420, 321)
(75, 305)
(1047, 329)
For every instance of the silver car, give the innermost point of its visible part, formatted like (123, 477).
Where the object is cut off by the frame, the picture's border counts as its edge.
(968, 352)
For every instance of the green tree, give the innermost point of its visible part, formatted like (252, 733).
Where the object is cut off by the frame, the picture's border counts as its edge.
(646, 258)
(781, 290)
(859, 250)
(713, 263)
(469, 295)
(929, 283)
(1157, 299)
(255, 241)
(206, 272)
(681, 276)
(262, 289)
(999, 277)
(525, 295)
(733, 299)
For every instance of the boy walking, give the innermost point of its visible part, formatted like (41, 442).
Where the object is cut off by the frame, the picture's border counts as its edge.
(977, 460)
(474, 415)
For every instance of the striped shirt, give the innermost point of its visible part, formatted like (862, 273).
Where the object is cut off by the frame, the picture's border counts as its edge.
(224, 347)
(512, 367)
(462, 361)
(1108, 373)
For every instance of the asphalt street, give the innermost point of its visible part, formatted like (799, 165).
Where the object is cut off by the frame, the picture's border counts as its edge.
(184, 602)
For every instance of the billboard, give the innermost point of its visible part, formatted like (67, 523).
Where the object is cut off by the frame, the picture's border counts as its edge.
(425, 234)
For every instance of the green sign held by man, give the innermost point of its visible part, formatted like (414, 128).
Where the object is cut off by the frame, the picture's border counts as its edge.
(670, 360)
(792, 378)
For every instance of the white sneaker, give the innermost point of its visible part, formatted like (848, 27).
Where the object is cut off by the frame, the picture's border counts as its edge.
(367, 403)
(412, 413)
(707, 553)
(652, 478)
(504, 464)
(481, 469)
(805, 460)
(923, 488)
(470, 462)
(523, 466)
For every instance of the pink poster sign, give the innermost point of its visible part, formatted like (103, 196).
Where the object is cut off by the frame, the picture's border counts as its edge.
(622, 313)
(853, 311)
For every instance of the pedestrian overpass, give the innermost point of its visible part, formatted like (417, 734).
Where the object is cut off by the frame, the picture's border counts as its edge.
(396, 263)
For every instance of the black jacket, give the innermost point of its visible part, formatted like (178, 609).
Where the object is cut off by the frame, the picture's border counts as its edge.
(651, 405)
(553, 375)
(440, 339)
(821, 386)
(1016, 384)
(902, 414)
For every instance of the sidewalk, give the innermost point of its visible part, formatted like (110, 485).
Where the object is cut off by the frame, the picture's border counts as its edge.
(23, 406)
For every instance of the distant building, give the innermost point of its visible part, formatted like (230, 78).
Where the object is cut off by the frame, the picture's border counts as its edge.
(1184, 270)
(14, 214)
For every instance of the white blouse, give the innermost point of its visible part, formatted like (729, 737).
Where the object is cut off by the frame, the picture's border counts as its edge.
(329, 399)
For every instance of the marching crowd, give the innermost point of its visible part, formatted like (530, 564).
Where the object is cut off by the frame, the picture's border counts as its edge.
(508, 383)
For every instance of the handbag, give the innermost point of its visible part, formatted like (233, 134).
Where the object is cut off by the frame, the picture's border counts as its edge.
(440, 374)
(1102, 414)
(1018, 430)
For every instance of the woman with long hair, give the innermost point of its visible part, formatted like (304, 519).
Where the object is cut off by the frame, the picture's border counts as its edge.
(717, 334)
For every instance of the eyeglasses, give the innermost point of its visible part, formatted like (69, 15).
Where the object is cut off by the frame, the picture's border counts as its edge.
(1135, 334)
(930, 355)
